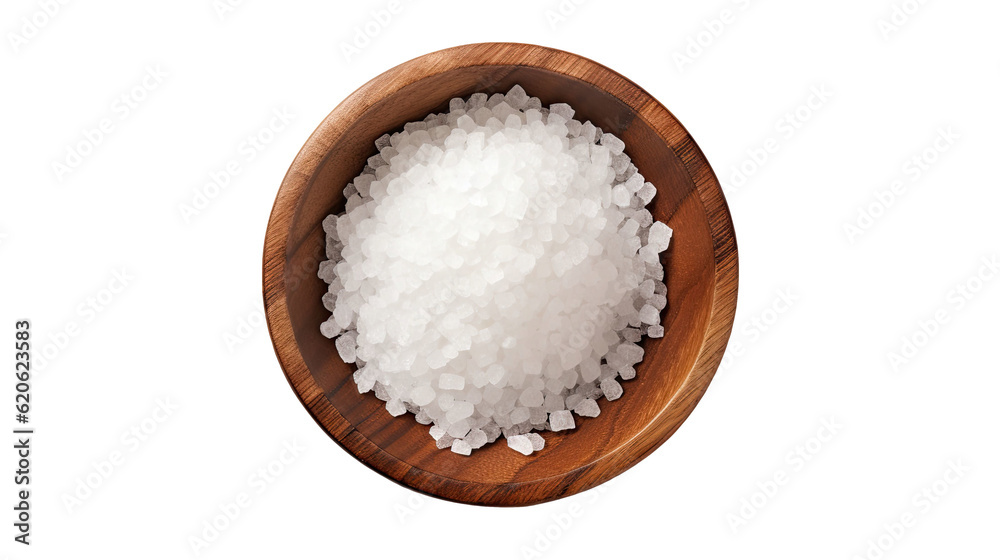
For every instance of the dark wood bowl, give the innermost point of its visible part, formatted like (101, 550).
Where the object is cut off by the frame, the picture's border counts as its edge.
(701, 267)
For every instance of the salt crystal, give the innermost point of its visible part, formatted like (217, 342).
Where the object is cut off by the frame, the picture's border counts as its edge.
(382, 393)
(460, 411)
(330, 329)
(574, 127)
(537, 441)
(659, 235)
(554, 401)
(494, 100)
(476, 438)
(346, 348)
(461, 447)
(326, 271)
(632, 335)
(538, 415)
(451, 382)
(476, 100)
(619, 163)
(575, 398)
(395, 407)
(445, 441)
(587, 407)
(516, 97)
(634, 183)
(562, 109)
(422, 395)
(330, 226)
(561, 420)
(632, 353)
(646, 193)
(620, 196)
(520, 414)
(459, 429)
(365, 379)
(613, 143)
(422, 417)
(532, 397)
(590, 370)
(611, 389)
(630, 228)
(644, 217)
(436, 432)
(649, 315)
(521, 444)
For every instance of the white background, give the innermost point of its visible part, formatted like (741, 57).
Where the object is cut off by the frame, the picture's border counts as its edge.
(194, 287)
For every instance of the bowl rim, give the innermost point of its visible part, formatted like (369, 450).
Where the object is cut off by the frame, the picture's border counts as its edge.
(314, 153)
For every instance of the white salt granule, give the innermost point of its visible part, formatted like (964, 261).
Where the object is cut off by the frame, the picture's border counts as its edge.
(444, 441)
(461, 447)
(346, 348)
(649, 315)
(477, 438)
(587, 407)
(395, 407)
(537, 441)
(613, 143)
(521, 444)
(495, 270)
(611, 389)
(451, 381)
(561, 420)
(519, 415)
(329, 328)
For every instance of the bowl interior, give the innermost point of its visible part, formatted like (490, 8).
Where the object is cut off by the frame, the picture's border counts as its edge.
(642, 414)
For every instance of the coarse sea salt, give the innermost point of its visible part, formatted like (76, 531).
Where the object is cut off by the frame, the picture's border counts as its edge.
(494, 271)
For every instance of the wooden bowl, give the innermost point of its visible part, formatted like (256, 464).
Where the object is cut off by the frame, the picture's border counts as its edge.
(701, 267)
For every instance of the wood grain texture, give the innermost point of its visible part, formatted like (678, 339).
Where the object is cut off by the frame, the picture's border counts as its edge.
(701, 264)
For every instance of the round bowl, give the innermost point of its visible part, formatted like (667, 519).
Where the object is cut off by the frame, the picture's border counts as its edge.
(701, 269)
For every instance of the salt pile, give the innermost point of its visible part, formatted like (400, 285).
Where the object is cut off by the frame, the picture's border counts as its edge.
(495, 270)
